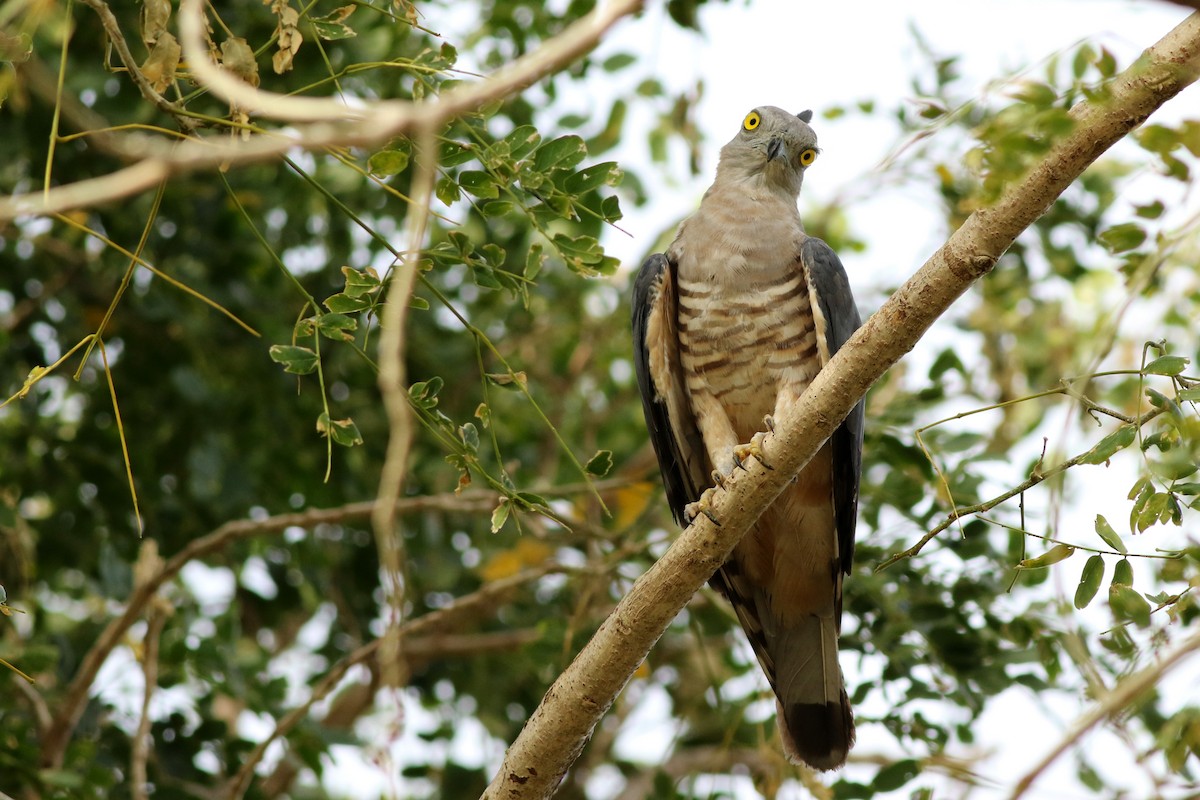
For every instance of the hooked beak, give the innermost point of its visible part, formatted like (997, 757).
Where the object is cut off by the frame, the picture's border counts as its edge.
(774, 148)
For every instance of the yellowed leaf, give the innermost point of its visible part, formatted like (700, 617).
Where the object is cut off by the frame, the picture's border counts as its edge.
(504, 564)
(155, 16)
(527, 552)
(238, 57)
(630, 503)
(159, 67)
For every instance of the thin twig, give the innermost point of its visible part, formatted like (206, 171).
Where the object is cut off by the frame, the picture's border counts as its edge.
(139, 781)
(484, 597)
(987, 505)
(1123, 695)
(393, 386)
(112, 29)
(58, 728)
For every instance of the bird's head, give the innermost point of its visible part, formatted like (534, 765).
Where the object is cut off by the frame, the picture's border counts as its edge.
(773, 146)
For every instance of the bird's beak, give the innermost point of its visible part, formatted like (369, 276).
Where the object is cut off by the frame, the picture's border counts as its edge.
(774, 148)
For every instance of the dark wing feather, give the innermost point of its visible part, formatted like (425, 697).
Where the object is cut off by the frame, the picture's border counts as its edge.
(653, 296)
(827, 275)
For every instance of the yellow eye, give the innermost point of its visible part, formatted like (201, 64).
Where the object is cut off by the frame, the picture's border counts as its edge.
(807, 157)
(751, 122)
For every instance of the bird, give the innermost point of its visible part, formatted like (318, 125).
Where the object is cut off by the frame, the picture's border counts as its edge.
(730, 326)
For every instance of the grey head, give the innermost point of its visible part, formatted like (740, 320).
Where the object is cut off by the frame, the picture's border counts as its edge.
(773, 146)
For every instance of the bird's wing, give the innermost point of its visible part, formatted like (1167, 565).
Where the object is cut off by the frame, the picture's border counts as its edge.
(673, 431)
(836, 318)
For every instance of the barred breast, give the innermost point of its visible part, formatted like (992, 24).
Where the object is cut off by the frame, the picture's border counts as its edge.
(744, 343)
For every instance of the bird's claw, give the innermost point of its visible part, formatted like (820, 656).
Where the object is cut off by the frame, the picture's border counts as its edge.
(754, 449)
(769, 421)
(718, 479)
(701, 506)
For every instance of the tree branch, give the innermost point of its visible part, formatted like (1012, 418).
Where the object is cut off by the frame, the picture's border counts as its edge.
(56, 731)
(562, 724)
(1123, 694)
(113, 29)
(329, 123)
(1034, 479)
(488, 596)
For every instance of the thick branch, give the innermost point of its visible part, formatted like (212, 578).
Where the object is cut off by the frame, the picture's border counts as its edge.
(560, 727)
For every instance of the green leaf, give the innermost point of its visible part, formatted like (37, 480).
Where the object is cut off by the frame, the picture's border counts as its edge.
(1123, 573)
(1060, 552)
(496, 208)
(424, 393)
(478, 183)
(1177, 466)
(1109, 536)
(345, 304)
(333, 26)
(522, 141)
(618, 61)
(1083, 59)
(595, 176)
(1107, 63)
(360, 282)
(1123, 238)
(447, 191)
(1128, 604)
(1150, 210)
(946, 361)
(1153, 510)
(610, 209)
(343, 431)
(600, 464)
(295, 359)
(534, 260)
(1166, 365)
(387, 162)
(562, 153)
(895, 775)
(337, 327)
(532, 500)
(469, 435)
(419, 303)
(1089, 581)
(1119, 439)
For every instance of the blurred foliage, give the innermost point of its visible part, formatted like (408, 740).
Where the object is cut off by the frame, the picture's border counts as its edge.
(520, 378)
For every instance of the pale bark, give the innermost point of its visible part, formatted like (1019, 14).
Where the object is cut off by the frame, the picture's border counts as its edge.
(560, 727)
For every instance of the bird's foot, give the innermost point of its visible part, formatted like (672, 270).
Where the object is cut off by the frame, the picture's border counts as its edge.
(701, 506)
(718, 479)
(769, 421)
(754, 449)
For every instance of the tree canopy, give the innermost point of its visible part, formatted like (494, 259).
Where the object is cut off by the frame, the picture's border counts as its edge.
(324, 458)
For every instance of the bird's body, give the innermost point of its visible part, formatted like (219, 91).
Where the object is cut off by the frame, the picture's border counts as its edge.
(731, 326)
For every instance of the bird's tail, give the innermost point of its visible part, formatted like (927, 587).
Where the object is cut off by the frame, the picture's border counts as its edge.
(815, 719)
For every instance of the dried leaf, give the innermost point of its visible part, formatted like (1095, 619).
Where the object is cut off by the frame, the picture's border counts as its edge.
(289, 36)
(238, 57)
(155, 16)
(159, 67)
